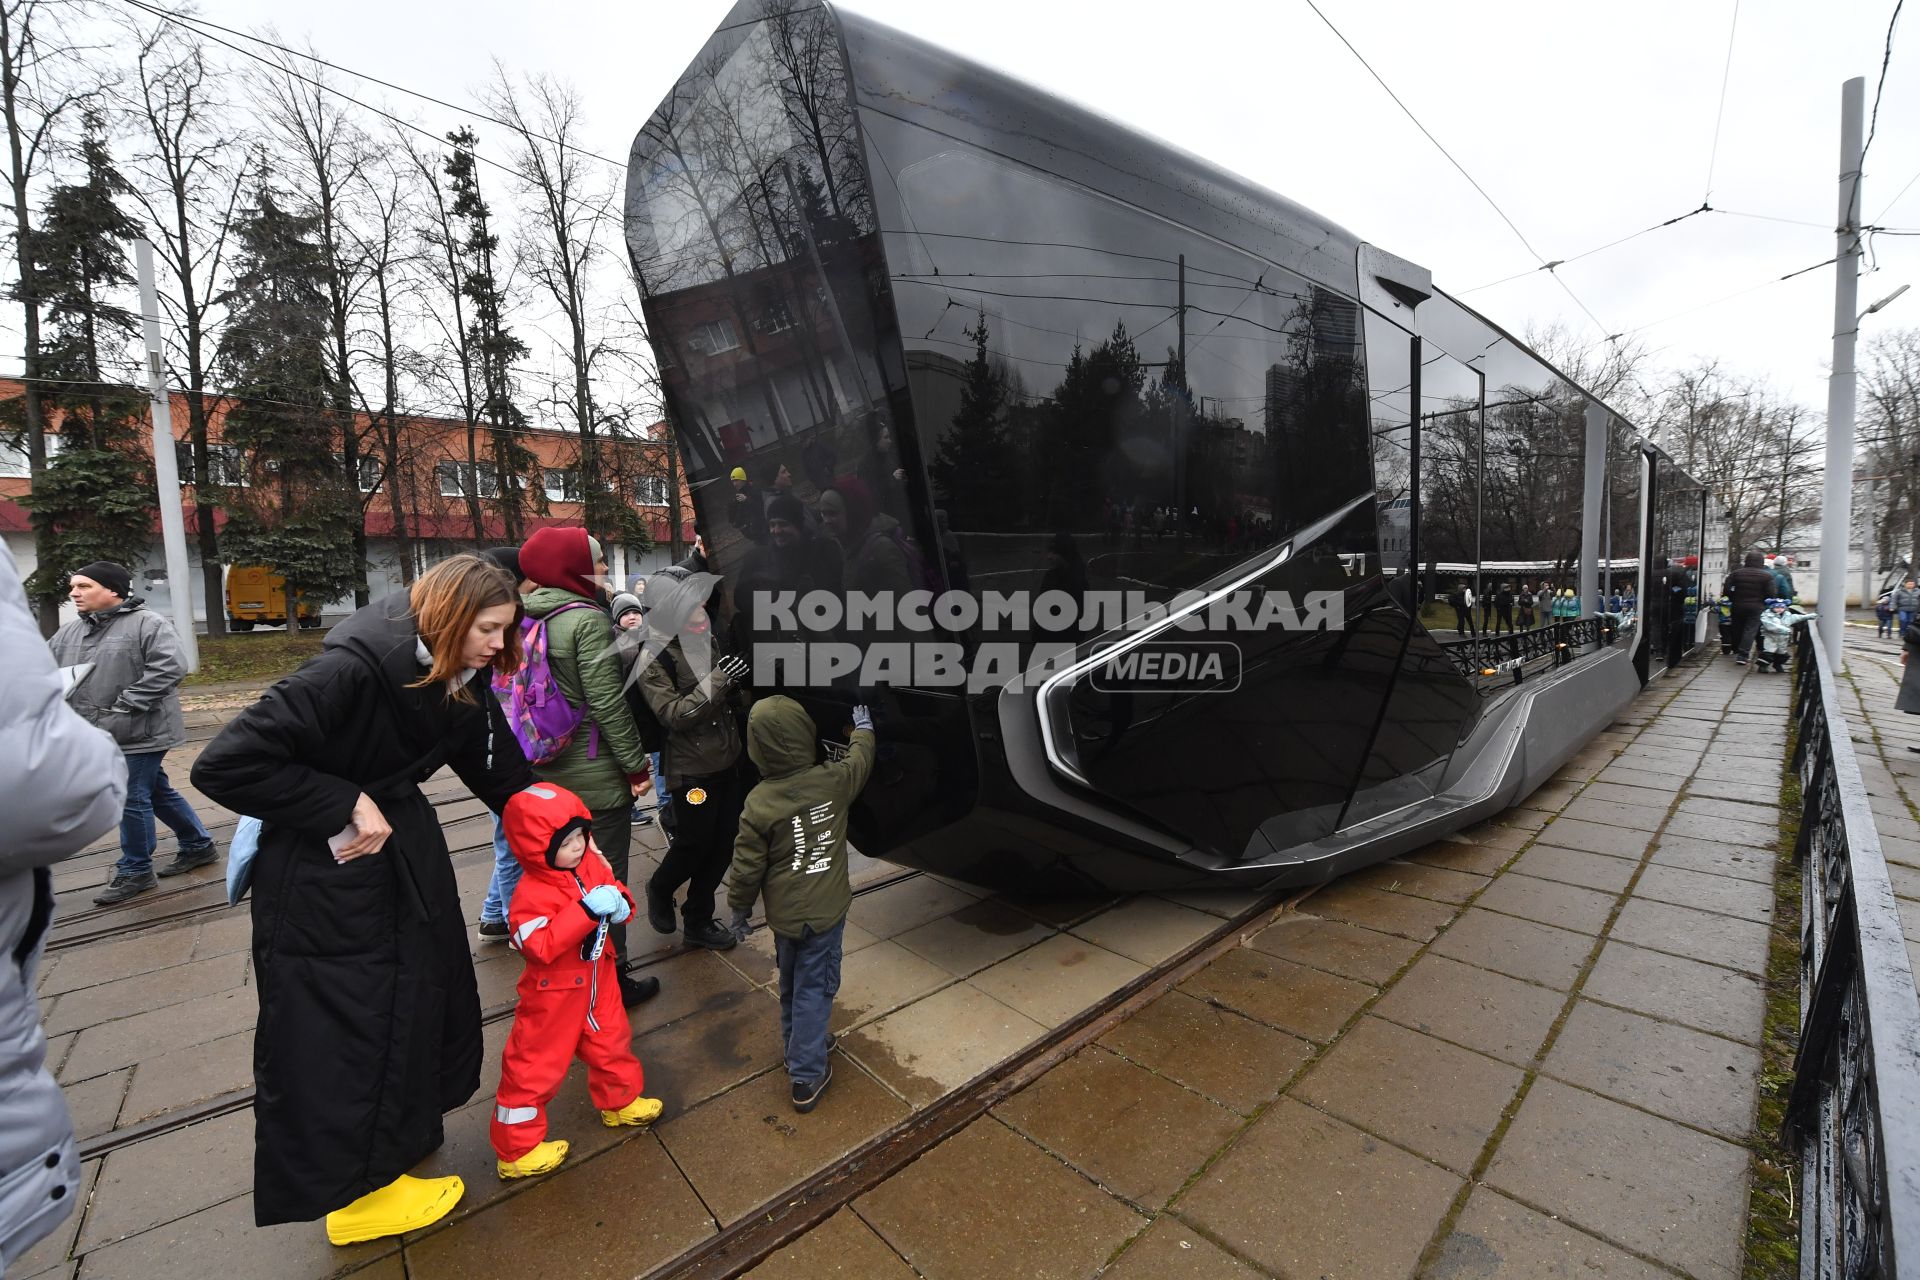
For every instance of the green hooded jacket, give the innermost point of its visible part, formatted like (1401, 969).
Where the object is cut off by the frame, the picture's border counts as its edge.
(580, 650)
(792, 846)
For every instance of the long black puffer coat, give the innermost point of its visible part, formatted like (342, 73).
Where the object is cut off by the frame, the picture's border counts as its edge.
(369, 1017)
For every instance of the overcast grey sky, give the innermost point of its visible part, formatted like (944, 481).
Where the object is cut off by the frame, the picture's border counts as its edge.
(1584, 121)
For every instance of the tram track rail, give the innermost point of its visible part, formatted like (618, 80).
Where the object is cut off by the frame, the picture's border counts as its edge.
(92, 924)
(224, 1104)
(787, 1216)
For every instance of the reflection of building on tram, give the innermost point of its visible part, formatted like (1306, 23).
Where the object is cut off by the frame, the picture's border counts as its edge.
(754, 362)
(996, 341)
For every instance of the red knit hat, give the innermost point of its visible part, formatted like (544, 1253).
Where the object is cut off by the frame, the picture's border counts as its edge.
(561, 558)
(861, 508)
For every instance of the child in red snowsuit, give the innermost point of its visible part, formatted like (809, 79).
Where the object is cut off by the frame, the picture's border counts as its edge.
(570, 993)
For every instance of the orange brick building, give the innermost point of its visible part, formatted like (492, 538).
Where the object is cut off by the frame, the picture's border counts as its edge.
(432, 479)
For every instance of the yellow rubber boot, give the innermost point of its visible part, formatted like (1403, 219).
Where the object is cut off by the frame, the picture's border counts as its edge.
(405, 1204)
(639, 1111)
(544, 1158)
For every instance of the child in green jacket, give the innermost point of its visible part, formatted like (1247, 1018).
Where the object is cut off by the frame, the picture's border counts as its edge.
(792, 848)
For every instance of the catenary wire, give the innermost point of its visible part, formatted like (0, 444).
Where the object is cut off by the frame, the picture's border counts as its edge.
(1588, 311)
(1886, 59)
(598, 214)
(188, 18)
(1720, 113)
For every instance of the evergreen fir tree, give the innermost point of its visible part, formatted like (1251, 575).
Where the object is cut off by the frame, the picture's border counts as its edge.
(493, 342)
(95, 500)
(1096, 407)
(296, 513)
(974, 469)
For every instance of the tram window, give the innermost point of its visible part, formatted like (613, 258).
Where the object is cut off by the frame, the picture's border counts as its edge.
(751, 226)
(1450, 483)
(1620, 539)
(1042, 325)
(1390, 409)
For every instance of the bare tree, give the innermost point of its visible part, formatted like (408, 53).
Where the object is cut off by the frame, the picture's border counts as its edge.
(187, 176)
(455, 368)
(36, 57)
(391, 274)
(1747, 445)
(1890, 436)
(564, 197)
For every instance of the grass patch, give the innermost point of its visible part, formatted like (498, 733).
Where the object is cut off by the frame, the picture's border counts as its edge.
(1773, 1217)
(258, 655)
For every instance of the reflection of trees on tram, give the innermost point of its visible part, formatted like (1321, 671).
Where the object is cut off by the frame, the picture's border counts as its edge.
(762, 242)
(1097, 454)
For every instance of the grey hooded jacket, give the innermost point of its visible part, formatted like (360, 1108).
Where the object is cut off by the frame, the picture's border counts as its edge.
(132, 664)
(65, 782)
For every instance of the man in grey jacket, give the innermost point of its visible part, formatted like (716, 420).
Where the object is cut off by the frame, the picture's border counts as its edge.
(123, 663)
(64, 783)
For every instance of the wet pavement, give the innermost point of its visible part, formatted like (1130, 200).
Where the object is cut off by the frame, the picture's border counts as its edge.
(1529, 1046)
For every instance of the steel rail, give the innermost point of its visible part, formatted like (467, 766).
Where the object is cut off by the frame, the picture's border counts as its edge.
(1854, 1109)
(222, 1104)
(787, 1216)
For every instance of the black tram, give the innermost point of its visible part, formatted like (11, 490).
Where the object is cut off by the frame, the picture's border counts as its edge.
(966, 340)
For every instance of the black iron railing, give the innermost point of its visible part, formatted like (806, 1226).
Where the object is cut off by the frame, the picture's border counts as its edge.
(1492, 660)
(1854, 1112)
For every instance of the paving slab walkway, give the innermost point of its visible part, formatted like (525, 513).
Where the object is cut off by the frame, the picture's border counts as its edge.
(1528, 1046)
(1527, 1050)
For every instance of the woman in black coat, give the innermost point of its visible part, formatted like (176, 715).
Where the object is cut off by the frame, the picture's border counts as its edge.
(369, 1023)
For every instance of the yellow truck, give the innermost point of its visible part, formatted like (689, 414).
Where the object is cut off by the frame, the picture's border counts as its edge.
(256, 595)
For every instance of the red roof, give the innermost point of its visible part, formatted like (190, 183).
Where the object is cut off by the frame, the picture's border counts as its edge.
(14, 518)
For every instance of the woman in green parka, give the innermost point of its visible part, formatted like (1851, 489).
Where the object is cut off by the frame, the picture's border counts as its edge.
(604, 763)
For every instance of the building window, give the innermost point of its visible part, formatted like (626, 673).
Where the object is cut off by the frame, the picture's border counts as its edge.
(775, 319)
(13, 456)
(650, 491)
(372, 470)
(226, 465)
(562, 484)
(456, 479)
(713, 337)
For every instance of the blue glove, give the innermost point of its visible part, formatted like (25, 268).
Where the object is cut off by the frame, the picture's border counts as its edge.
(604, 901)
(741, 923)
(863, 718)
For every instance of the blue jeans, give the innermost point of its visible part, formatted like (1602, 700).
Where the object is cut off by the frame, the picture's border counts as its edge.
(809, 979)
(506, 876)
(150, 796)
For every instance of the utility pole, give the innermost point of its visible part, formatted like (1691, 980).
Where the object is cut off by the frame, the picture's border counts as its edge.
(1836, 521)
(1180, 411)
(166, 464)
(1593, 486)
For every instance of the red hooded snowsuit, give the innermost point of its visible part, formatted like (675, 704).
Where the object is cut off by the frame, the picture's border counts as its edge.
(569, 1006)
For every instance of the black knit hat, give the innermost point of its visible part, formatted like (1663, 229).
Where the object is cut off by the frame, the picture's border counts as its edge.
(507, 558)
(787, 507)
(114, 577)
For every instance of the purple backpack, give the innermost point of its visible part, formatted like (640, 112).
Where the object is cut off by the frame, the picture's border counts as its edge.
(542, 719)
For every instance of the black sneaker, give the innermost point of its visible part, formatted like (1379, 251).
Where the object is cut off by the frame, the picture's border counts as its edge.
(807, 1096)
(660, 910)
(634, 991)
(204, 856)
(494, 930)
(641, 817)
(712, 935)
(122, 887)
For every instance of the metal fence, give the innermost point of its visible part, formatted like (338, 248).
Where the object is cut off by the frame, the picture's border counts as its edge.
(1854, 1111)
(1493, 660)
